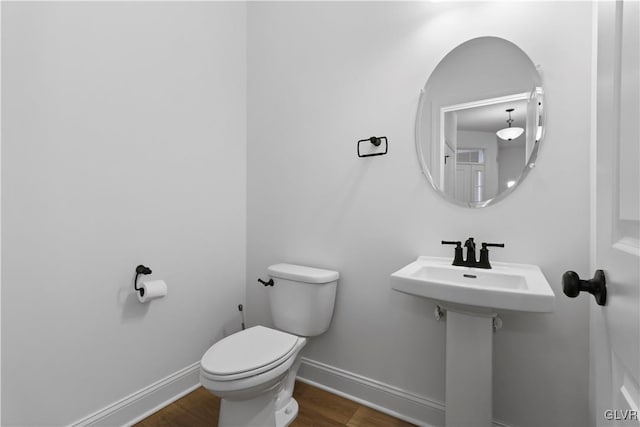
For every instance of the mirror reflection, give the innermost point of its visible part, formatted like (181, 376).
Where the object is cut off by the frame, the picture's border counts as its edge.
(480, 121)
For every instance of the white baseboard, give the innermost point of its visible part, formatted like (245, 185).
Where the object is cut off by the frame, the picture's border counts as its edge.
(402, 404)
(399, 403)
(139, 405)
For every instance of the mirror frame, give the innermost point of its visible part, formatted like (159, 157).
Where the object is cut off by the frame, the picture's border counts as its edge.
(534, 152)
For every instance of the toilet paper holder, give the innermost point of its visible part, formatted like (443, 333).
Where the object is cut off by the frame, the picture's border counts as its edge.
(141, 269)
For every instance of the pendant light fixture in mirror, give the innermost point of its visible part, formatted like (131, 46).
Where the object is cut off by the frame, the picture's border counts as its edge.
(509, 133)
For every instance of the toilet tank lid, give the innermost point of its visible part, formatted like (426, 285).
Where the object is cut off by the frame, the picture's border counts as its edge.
(300, 273)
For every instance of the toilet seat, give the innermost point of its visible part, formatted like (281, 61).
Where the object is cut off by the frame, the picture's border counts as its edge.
(248, 353)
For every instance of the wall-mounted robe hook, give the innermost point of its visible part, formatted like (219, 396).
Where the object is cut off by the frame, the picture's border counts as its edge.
(141, 269)
(376, 141)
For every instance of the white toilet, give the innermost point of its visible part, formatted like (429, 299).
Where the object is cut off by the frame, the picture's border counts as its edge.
(254, 371)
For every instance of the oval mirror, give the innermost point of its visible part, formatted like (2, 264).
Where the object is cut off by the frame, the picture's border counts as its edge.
(480, 121)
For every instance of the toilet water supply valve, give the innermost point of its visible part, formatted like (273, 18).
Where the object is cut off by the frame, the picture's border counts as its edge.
(241, 310)
(440, 313)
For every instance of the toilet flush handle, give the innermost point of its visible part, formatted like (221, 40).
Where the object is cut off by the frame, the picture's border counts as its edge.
(269, 283)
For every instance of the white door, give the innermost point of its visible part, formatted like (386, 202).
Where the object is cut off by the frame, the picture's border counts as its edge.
(477, 183)
(469, 182)
(463, 182)
(615, 327)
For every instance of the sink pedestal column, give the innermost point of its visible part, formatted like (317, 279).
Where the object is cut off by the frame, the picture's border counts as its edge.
(468, 393)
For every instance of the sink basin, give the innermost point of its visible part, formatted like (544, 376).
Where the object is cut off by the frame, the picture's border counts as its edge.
(507, 286)
(471, 297)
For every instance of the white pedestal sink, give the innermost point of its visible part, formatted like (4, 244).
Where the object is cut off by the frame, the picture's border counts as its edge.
(472, 298)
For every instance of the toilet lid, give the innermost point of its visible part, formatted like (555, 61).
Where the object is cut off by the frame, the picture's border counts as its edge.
(247, 350)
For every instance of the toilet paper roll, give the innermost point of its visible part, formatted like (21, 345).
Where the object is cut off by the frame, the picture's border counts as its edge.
(152, 289)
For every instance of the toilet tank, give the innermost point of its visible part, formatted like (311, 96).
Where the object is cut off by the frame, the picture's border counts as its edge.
(302, 298)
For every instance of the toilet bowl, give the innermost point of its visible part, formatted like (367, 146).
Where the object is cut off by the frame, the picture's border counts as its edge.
(253, 371)
(248, 371)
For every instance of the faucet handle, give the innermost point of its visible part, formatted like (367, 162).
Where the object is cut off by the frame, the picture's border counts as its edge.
(457, 259)
(484, 254)
(495, 245)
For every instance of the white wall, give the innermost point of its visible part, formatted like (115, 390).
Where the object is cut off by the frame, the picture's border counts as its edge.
(123, 143)
(322, 76)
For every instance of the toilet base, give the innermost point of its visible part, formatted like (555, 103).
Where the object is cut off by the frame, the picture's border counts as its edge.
(287, 414)
(256, 412)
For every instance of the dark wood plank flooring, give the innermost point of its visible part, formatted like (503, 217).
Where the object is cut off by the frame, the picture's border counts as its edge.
(318, 408)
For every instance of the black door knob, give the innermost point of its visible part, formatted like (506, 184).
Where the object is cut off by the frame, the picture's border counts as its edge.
(572, 286)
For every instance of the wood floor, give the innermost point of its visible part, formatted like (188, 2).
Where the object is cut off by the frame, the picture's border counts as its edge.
(318, 408)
